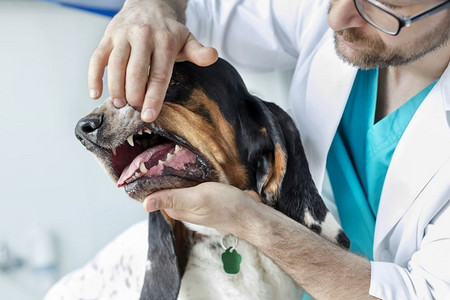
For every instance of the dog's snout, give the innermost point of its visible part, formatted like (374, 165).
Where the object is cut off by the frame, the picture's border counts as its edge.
(90, 124)
(87, 127)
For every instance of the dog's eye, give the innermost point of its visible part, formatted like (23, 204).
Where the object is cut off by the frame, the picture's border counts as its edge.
(173, 82)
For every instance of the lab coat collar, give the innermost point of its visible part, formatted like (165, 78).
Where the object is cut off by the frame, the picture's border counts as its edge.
(329, 84)
(422, 150)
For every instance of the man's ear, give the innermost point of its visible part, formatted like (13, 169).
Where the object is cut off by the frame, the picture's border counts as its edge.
(168, 250)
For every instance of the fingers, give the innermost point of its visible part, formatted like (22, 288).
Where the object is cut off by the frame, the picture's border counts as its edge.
(140, 59)
(176, 199)
(195, 52)
(137, 74)
(117, 65)
(209, 204)
(97, 65)
(161, 67)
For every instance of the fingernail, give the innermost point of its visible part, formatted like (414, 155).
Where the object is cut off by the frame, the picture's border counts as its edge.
(118, 103)
(93, 94)
(152, 205)
(148, 115)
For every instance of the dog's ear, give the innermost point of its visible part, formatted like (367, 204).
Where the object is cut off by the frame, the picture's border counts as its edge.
(168, 250)
(283, 179)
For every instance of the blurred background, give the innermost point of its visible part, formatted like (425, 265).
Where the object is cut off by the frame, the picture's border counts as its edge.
(57, 206)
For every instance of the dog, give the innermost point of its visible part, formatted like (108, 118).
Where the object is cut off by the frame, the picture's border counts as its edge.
(210, 129)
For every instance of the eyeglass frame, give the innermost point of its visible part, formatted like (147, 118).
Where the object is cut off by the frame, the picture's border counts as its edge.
(403, 21)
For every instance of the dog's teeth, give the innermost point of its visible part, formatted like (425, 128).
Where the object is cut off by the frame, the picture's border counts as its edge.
(136, 175)
(142, 168)
(147, 131)
(178, 148)
(169, 156)
(140, 132)
(160, 162)
(114, 151)
(130, 140)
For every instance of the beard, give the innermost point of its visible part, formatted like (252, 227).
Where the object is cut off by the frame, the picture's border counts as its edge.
(374, 53)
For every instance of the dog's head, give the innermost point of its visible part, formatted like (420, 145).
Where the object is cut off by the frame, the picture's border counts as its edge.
(210, 129)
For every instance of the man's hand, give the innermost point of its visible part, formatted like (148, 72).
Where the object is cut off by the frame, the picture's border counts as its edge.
(140, 46)
(209, 204)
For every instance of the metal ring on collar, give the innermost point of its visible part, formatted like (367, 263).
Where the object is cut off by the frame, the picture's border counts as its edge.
(236, 241)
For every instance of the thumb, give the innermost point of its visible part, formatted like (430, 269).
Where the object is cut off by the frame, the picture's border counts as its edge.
(160, 200)
(195, 52)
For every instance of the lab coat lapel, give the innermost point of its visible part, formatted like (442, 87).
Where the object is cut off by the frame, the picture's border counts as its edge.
(422, 150)
(329, 84)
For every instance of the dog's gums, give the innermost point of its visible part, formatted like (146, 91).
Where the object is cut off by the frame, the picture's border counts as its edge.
(149, 155)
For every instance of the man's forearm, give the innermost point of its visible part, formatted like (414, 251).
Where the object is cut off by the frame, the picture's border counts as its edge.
(323, 269)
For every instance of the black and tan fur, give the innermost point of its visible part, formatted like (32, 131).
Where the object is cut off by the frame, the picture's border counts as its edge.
(237, 138)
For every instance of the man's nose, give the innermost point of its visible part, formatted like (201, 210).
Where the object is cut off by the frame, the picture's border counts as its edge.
(343, 15)
(87, 128)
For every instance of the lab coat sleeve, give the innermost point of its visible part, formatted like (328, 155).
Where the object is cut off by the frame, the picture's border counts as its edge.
(258, 35)
(427, 274)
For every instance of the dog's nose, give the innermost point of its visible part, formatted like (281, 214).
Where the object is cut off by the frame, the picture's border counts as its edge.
(87, 128)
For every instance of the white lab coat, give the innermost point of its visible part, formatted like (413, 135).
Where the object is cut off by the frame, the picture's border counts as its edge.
(412, 234)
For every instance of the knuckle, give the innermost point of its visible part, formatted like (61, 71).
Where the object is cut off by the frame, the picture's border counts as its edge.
(139, 33)
(136, 75)
(159, 77)
(170, 201)
(143, 31)
(166, 41)
(97, 57)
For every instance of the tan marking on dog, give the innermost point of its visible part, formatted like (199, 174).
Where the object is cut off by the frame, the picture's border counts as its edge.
(215, 141)
(275, 175)
(263, 131)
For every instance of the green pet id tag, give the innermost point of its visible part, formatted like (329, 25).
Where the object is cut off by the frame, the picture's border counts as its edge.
(231, 259)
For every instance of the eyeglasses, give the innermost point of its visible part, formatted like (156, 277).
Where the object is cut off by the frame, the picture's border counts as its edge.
(384, 19)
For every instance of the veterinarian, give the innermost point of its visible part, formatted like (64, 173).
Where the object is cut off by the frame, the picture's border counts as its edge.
(371, 97)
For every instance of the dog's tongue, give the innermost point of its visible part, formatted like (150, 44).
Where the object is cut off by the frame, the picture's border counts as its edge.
(149, 157)
(154, 160)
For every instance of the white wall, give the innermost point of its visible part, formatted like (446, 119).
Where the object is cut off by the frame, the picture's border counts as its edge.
(48, 180)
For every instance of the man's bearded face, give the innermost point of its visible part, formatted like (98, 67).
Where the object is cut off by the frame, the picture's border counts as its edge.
(366, 47)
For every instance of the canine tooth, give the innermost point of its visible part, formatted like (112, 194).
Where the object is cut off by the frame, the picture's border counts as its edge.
(140, 132)
(147, 131)
(169, 156)
(130, 140)
(178, 148)
(114, 151)
(142, 168)
(160, 162)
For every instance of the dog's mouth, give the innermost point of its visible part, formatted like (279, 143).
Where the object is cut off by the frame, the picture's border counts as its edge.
(152, 153)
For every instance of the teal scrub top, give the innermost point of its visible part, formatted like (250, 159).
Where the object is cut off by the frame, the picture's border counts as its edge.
(360, 155)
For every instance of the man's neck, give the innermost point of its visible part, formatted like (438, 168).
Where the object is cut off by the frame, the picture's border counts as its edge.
(397, 85)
